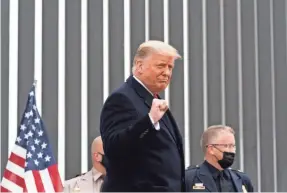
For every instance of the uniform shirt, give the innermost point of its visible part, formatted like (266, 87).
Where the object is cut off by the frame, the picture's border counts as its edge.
(217, 174)
(89, 182)
(98, 179)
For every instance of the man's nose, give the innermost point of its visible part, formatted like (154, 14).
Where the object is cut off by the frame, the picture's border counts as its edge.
(167, 71)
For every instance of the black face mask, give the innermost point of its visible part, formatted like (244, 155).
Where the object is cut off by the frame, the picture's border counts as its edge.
(227, 159)
(104, 161)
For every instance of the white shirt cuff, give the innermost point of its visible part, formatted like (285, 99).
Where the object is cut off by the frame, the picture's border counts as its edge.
(156, 125)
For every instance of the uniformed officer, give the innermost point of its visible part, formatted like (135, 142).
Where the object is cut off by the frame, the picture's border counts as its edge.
(214, 174)
(92, 180)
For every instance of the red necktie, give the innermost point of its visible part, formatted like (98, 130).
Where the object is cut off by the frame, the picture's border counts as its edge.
(155, 96)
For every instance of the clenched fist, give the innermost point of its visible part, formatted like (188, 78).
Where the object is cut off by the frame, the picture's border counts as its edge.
(158, 108)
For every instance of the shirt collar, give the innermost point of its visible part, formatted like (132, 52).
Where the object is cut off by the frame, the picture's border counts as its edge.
(215, 172)
(96, 174)
(143, 85)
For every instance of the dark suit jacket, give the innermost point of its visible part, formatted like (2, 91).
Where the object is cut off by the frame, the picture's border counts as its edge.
(195, 176)
(140, 157)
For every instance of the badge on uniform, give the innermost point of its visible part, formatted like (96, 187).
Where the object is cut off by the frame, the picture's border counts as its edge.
(76, 188)
(198, 186)
(244, 189)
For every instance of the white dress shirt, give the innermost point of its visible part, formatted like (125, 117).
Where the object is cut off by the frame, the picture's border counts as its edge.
(156, 125)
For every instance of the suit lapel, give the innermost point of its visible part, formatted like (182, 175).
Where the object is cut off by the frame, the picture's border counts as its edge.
(236, 180)
(176, 130)
(206, 178)
(163, 120)
(140, 90)
(147, 97)
(172, 126)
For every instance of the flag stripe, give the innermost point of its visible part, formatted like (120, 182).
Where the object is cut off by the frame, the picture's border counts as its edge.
(14, 178)
(55, 178)
(38, 181)
(11, 186)
(2, 189)
(17, 160)
(14, 168)
(45, 176)
(30, 182)
(20, 151)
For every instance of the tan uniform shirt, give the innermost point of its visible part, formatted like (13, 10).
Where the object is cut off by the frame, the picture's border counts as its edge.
(88, 182)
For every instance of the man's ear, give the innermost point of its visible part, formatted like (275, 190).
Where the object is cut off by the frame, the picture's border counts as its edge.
(139, 65)
(209, 149)
(96, 157)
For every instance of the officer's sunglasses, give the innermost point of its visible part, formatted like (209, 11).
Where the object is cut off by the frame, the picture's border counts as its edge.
(224, 145)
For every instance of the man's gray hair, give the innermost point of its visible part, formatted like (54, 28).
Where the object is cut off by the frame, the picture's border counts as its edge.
(154, 46)
(211, 133)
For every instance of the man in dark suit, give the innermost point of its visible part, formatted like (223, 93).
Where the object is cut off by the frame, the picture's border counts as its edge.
(140, 136)
(214, 174)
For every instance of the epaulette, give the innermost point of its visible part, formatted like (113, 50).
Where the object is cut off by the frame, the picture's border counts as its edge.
(192, 167)
(236, 170)
(79, 175)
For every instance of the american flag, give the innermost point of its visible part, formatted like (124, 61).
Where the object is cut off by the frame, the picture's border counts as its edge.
(31, 166)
